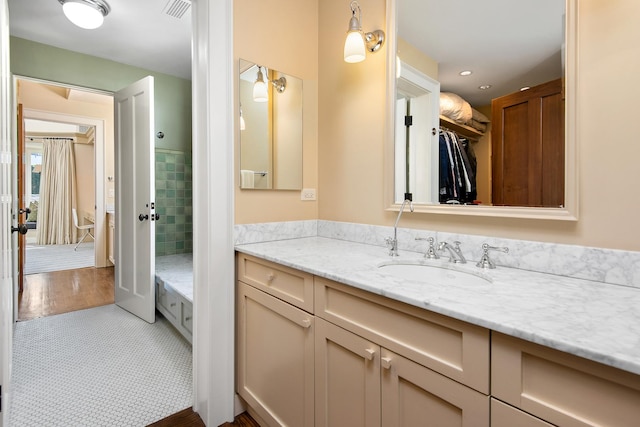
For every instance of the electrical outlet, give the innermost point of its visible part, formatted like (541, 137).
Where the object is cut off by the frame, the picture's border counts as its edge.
(308, 194)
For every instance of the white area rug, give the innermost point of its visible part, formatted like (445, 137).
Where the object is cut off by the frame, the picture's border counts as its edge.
(98, 367)
(44, 258)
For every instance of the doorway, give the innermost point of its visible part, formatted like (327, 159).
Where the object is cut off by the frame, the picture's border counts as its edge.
(51, 113)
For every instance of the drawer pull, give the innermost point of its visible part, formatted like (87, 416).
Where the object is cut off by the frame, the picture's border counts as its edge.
(369, 354)
(173, 304)
(270, 277)
(187, 319)
(306, 323)
(385, 362)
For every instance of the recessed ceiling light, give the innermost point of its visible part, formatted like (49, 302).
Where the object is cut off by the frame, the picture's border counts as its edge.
(484, 87)
(466, 73)
(522, 89)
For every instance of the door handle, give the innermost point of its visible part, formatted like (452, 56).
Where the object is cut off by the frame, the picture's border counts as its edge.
(25, 210)
(143, 217)
(21, 228)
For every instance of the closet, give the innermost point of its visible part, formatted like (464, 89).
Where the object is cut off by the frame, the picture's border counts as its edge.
(457, 163)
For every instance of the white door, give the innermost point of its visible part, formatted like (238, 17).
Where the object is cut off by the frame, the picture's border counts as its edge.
(135, 195)
(7, 242)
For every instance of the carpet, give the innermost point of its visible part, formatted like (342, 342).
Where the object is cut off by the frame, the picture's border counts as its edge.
(98, 367)
(44, 258)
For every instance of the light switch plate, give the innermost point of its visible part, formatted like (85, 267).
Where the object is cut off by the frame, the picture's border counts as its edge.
(308, 194)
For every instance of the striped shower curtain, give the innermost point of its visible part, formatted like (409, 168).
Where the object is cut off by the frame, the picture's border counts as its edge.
(57, 193)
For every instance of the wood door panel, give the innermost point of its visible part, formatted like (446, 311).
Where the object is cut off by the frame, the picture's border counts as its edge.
(527, 141)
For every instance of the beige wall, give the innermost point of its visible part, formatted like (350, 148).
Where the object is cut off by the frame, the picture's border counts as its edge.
(41, 97)
(281, 35)
(352, 111)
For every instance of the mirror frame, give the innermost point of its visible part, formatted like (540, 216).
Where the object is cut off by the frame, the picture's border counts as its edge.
(570, 210)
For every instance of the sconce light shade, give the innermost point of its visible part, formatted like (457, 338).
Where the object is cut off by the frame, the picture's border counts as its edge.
(260, 93)
(357, 43)
(87, 14)
(354, 47)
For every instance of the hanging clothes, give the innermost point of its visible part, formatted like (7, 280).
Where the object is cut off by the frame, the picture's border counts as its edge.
(457, 169)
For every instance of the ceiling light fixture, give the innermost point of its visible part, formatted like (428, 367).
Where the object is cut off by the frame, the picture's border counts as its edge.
(357, 42)
(466, 73)
(87, 14)
(484, 87)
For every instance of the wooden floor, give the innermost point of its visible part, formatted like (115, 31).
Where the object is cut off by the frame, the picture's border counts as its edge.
(188, 418)
(56, 292)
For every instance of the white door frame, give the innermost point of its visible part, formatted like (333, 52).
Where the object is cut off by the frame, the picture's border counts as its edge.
(213, 208)
(99, 159)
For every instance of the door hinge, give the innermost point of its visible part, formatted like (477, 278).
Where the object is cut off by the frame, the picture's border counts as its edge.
(408, 120)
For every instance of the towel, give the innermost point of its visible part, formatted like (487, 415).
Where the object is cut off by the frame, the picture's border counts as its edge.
(246, 178)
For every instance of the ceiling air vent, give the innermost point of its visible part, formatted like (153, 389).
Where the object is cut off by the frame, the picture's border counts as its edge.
(177, 8)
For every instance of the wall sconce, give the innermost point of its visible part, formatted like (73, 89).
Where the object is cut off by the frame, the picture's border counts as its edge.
(87, 14)
(357, 42)
(260, 93)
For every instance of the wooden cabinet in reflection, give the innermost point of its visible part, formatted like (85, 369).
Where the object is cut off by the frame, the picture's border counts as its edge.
(528, 147)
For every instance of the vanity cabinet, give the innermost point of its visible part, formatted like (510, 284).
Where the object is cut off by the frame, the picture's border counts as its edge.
(361, 360)
(561, 388)
(381, 362)
(503, 415)
(275, 339)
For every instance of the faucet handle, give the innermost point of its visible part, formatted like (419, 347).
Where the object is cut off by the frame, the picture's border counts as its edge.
(431, 252)
(485, 261)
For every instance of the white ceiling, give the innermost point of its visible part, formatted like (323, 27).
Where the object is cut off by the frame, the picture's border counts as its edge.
(506, 43)
(136, 32)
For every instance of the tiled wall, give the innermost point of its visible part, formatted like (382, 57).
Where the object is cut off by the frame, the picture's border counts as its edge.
(174, 229)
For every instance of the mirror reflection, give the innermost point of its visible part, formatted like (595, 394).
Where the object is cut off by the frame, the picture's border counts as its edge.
(494, 70)
(270, 128)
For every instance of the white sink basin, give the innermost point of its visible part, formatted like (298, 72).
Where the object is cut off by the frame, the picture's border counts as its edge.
(433, 274)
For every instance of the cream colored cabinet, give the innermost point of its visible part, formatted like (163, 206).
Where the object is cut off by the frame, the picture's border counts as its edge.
(347, 378)
(503, 415)
(455, 349)
(560, 388)
(413, 395)
(275, 358)
(111, 232)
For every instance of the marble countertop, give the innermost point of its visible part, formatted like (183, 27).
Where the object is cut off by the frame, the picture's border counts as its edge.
(176, 271)
(594, 320)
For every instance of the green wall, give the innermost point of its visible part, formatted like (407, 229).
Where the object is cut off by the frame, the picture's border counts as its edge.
(172, 94)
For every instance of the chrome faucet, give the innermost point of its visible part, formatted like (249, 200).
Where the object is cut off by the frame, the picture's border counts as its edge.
(431, 252)
(455, 253)
(485, 261)
(392, 243)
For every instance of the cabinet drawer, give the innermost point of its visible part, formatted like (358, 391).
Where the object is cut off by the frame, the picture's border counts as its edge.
(168, 300)
(186, 316)
(560, 388)
(453, 348)
(503, 415)
(292, 286)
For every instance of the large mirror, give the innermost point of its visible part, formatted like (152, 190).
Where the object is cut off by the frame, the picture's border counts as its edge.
(270, 128)
(466, 80)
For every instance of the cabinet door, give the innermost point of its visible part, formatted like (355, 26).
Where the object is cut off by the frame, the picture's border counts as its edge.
(347, 378)
(413, 395)
(275, 358)
(503, 415)
(561, 388)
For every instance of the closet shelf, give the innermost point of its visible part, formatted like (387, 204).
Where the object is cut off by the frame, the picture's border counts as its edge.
(460, 129)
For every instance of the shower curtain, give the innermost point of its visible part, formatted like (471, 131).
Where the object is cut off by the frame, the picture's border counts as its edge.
(57, 193)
